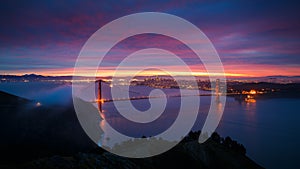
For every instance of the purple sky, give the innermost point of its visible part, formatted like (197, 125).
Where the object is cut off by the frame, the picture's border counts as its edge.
(255, 38)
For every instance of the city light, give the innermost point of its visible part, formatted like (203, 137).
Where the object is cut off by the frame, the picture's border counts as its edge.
(252, 92)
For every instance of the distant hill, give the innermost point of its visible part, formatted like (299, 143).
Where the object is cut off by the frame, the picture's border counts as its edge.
(32, 77)
(36, 77)
(283, 76)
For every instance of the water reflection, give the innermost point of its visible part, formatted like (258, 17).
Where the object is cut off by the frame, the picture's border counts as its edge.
(213, 118)
(112, 122)
(250, 99)
(251, 110)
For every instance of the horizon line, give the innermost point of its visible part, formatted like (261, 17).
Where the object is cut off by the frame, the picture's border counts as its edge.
(106, 76)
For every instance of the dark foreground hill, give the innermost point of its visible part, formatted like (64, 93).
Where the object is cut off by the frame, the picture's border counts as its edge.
(39, 136)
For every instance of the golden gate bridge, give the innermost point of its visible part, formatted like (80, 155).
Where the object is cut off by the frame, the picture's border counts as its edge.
(100, 100)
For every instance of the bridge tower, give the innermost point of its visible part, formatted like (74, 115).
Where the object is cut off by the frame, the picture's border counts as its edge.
(99, 94)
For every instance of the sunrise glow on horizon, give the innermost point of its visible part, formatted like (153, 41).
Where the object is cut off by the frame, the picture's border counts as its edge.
(230, 71)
